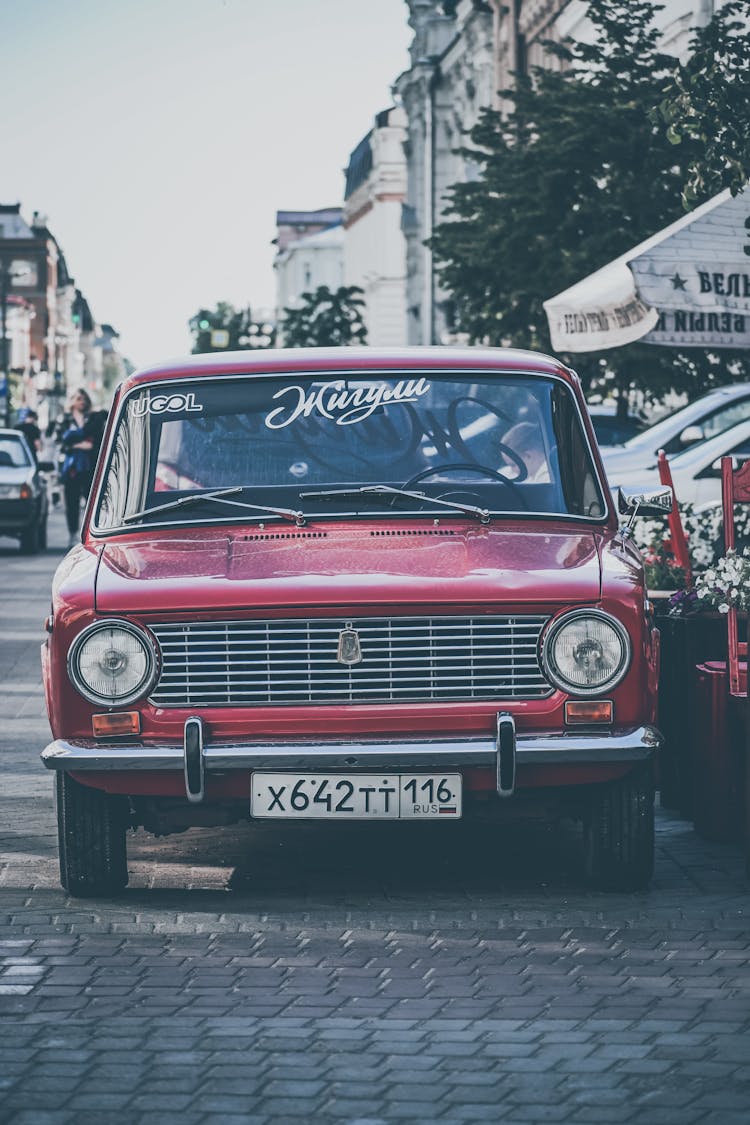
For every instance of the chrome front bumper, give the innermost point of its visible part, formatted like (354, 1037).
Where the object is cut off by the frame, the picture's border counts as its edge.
(195, 758)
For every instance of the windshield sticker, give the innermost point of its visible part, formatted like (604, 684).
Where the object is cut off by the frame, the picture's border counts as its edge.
(341, 404)
(167, 404)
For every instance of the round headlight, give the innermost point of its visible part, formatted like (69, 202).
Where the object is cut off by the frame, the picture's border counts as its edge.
(112, 662)
(586, 652)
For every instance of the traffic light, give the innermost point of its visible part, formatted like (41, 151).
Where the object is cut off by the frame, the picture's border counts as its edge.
(204, 324)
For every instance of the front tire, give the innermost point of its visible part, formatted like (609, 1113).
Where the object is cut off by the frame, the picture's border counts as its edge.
(619, 833)
(91, 827)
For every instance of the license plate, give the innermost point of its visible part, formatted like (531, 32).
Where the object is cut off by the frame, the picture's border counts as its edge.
(372, 796)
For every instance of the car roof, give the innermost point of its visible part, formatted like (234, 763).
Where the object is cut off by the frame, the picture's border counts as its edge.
(17, 436)
(275, 361)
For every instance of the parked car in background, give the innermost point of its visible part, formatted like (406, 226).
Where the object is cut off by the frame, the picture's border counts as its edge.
(23, 496)
(709, 415)
(696, 472)
(348, 584)
(611, 429)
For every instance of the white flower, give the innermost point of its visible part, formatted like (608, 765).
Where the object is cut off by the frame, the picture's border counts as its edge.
(723, 608)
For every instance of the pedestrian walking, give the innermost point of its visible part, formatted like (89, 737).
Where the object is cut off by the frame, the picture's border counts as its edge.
(77, 446)
(28, 426)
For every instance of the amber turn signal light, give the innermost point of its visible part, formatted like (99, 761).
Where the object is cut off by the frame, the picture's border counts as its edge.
(589, 711)
(121, 722)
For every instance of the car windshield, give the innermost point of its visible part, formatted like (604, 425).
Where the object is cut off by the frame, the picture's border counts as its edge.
(504, 443)
(13, 453)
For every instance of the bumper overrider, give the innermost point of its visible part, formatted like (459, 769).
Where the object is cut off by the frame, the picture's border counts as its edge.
(196, 758)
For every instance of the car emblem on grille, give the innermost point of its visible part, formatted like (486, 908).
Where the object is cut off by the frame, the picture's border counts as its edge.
(349, 650)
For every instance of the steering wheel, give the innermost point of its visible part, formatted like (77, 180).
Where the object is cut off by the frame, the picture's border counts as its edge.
(523, 472)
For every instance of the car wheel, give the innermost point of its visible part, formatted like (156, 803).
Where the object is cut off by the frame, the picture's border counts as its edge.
(30, 539)
(43, 534)
(91, 827)
(619, 833)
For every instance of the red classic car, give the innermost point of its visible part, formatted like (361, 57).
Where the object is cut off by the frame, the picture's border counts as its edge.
(351, 584)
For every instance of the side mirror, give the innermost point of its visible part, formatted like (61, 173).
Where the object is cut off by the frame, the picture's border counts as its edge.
(644, 501)
(691, 434)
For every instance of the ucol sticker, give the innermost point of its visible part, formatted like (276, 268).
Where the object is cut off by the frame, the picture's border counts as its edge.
(341, 404)
(167, 404)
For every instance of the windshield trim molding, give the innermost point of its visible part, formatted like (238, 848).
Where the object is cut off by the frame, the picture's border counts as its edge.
(361, 372)
(437, 515)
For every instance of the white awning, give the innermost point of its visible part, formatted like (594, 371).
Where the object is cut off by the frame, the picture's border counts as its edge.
(688, 285)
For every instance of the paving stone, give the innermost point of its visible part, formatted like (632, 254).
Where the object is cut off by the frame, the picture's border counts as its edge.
(409, 1111)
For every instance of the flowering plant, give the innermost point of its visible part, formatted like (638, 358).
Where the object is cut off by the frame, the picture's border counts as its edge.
(727, 584)
(704, 531)
(684, 603)
(662, 571)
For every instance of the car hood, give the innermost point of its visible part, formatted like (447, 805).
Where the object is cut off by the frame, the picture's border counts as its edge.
(341, 564)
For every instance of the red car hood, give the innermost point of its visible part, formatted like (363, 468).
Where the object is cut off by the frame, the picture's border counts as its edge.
(342, 565)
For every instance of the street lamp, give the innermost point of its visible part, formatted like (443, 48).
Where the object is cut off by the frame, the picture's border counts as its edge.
(7, 274)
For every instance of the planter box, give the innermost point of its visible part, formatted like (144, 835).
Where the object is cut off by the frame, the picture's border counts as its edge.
(685, 643)
(718, 727)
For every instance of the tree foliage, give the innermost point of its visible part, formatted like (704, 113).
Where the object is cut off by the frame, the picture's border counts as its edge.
(326, 318)
(576, 173)
(226, 328)
(706, 103)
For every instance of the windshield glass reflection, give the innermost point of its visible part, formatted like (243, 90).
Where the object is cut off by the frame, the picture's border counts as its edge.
(508, 443)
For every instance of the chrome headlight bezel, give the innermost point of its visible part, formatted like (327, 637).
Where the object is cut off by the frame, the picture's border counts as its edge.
(549, 664)
(147, 680)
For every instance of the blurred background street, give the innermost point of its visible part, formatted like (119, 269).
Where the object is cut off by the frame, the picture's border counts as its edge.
(333, 973)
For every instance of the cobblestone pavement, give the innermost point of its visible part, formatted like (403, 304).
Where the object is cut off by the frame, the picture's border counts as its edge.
(418, 973)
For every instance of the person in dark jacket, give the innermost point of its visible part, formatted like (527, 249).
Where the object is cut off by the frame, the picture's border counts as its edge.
(78, 463)
(30, 430)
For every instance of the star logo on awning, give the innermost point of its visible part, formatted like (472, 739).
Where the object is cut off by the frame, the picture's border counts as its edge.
(678, 282)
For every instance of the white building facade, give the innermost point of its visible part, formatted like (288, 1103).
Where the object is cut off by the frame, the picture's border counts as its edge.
(303, 263)
(450, 79)
(374, 242)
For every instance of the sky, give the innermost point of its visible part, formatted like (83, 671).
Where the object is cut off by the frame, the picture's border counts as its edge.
(160, 137)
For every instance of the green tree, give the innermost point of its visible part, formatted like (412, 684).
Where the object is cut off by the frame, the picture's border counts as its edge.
(326, 318)
(707, 103)
(576, 173)
(226, 328)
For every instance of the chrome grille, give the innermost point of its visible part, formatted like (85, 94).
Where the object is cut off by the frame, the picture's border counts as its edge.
(404, 659)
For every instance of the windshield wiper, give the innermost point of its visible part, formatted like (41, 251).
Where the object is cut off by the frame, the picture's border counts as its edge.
(219, 497)
(377, 490)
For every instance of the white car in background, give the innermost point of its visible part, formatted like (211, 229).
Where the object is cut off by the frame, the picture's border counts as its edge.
(23, 497)
(707, 417)
(696, 472)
